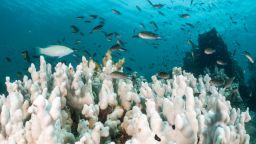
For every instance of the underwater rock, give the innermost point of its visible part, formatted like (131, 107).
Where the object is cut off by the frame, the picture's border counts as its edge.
(183, 110)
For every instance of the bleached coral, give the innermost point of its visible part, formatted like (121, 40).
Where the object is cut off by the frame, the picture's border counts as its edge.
(85, 105)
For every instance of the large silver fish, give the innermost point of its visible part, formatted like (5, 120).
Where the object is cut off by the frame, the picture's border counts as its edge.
(56, 51)
(148, 35)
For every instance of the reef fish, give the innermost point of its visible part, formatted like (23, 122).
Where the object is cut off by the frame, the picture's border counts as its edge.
(163, 75)
(148, 35)
(56, 51)
(118, 75)
(249, 56)
(116, 12)
(74, 29)
(25, 56)
(209, 51)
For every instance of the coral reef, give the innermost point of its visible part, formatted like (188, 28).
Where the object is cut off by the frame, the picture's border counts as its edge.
(86, 105)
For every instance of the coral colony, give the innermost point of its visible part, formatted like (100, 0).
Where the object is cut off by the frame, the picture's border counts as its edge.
(85, 105)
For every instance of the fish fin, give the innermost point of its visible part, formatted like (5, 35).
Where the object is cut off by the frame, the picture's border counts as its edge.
(39, 51)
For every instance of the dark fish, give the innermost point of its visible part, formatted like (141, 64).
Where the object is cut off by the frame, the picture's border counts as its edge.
(128, 69)
(80, 17)
(118, 75)
(249, 57)
(234, 52)
(154, 24)
(94, 54)
(217, 82)
(87, 21)
(191, 2)
(184, 15)
(190, 25)
(116, 12)
(157, 138)
(93, 16)
(19, 75)
(35, 56)
(142, 25)
(87, 53)
(138, 8)
(97, 28)
(131, 59)
(229, 82)
(161, 13)
(117, 35)
(117, 47)
(120, 42)
(25, 55)
(148, 35)
(157, 6)
(81, 33)
(163, 75)
(8, 59)
(194, 46)
(74, 29)
(237, 43)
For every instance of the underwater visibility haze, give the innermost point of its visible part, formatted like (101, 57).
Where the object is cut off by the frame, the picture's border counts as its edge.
(111, 71)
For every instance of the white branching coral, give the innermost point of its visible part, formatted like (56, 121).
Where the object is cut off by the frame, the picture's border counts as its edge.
(86, 105)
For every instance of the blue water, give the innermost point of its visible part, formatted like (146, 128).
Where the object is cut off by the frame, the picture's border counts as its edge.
(27, 24)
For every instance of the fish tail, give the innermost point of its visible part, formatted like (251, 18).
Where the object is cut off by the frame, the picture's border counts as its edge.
(39, 51)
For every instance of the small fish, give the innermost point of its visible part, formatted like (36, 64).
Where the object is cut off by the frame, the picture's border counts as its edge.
(221, 62)
(128, 69)
(116, 12)
(163, 75)
(80, 17)
(74, 29)
(94, 54)
(157, 138)
(158, 6)
(118, 75)
(191, 2)
(190, 25)
(87, 53)
(249, 57)
(81, 33)
(138, 8)
(148, 35)
(8, 59)
(117, 47)
(93, 16)
(56, 51)
(25, 55)
(229, 82)
(154, 24)
(142, 25)
(87, 21)
(184, 15)
(131, 59)
(35, 56)
(209, 51)
(97, 28)
(121, 42)
(161, 13)
(217, 82)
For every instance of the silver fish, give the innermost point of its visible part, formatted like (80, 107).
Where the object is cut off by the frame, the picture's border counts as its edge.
(209, 51)
(148, 35)
(249, 56)
(56, 51)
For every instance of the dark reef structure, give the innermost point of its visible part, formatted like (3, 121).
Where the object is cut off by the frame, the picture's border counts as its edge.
(197, 62)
